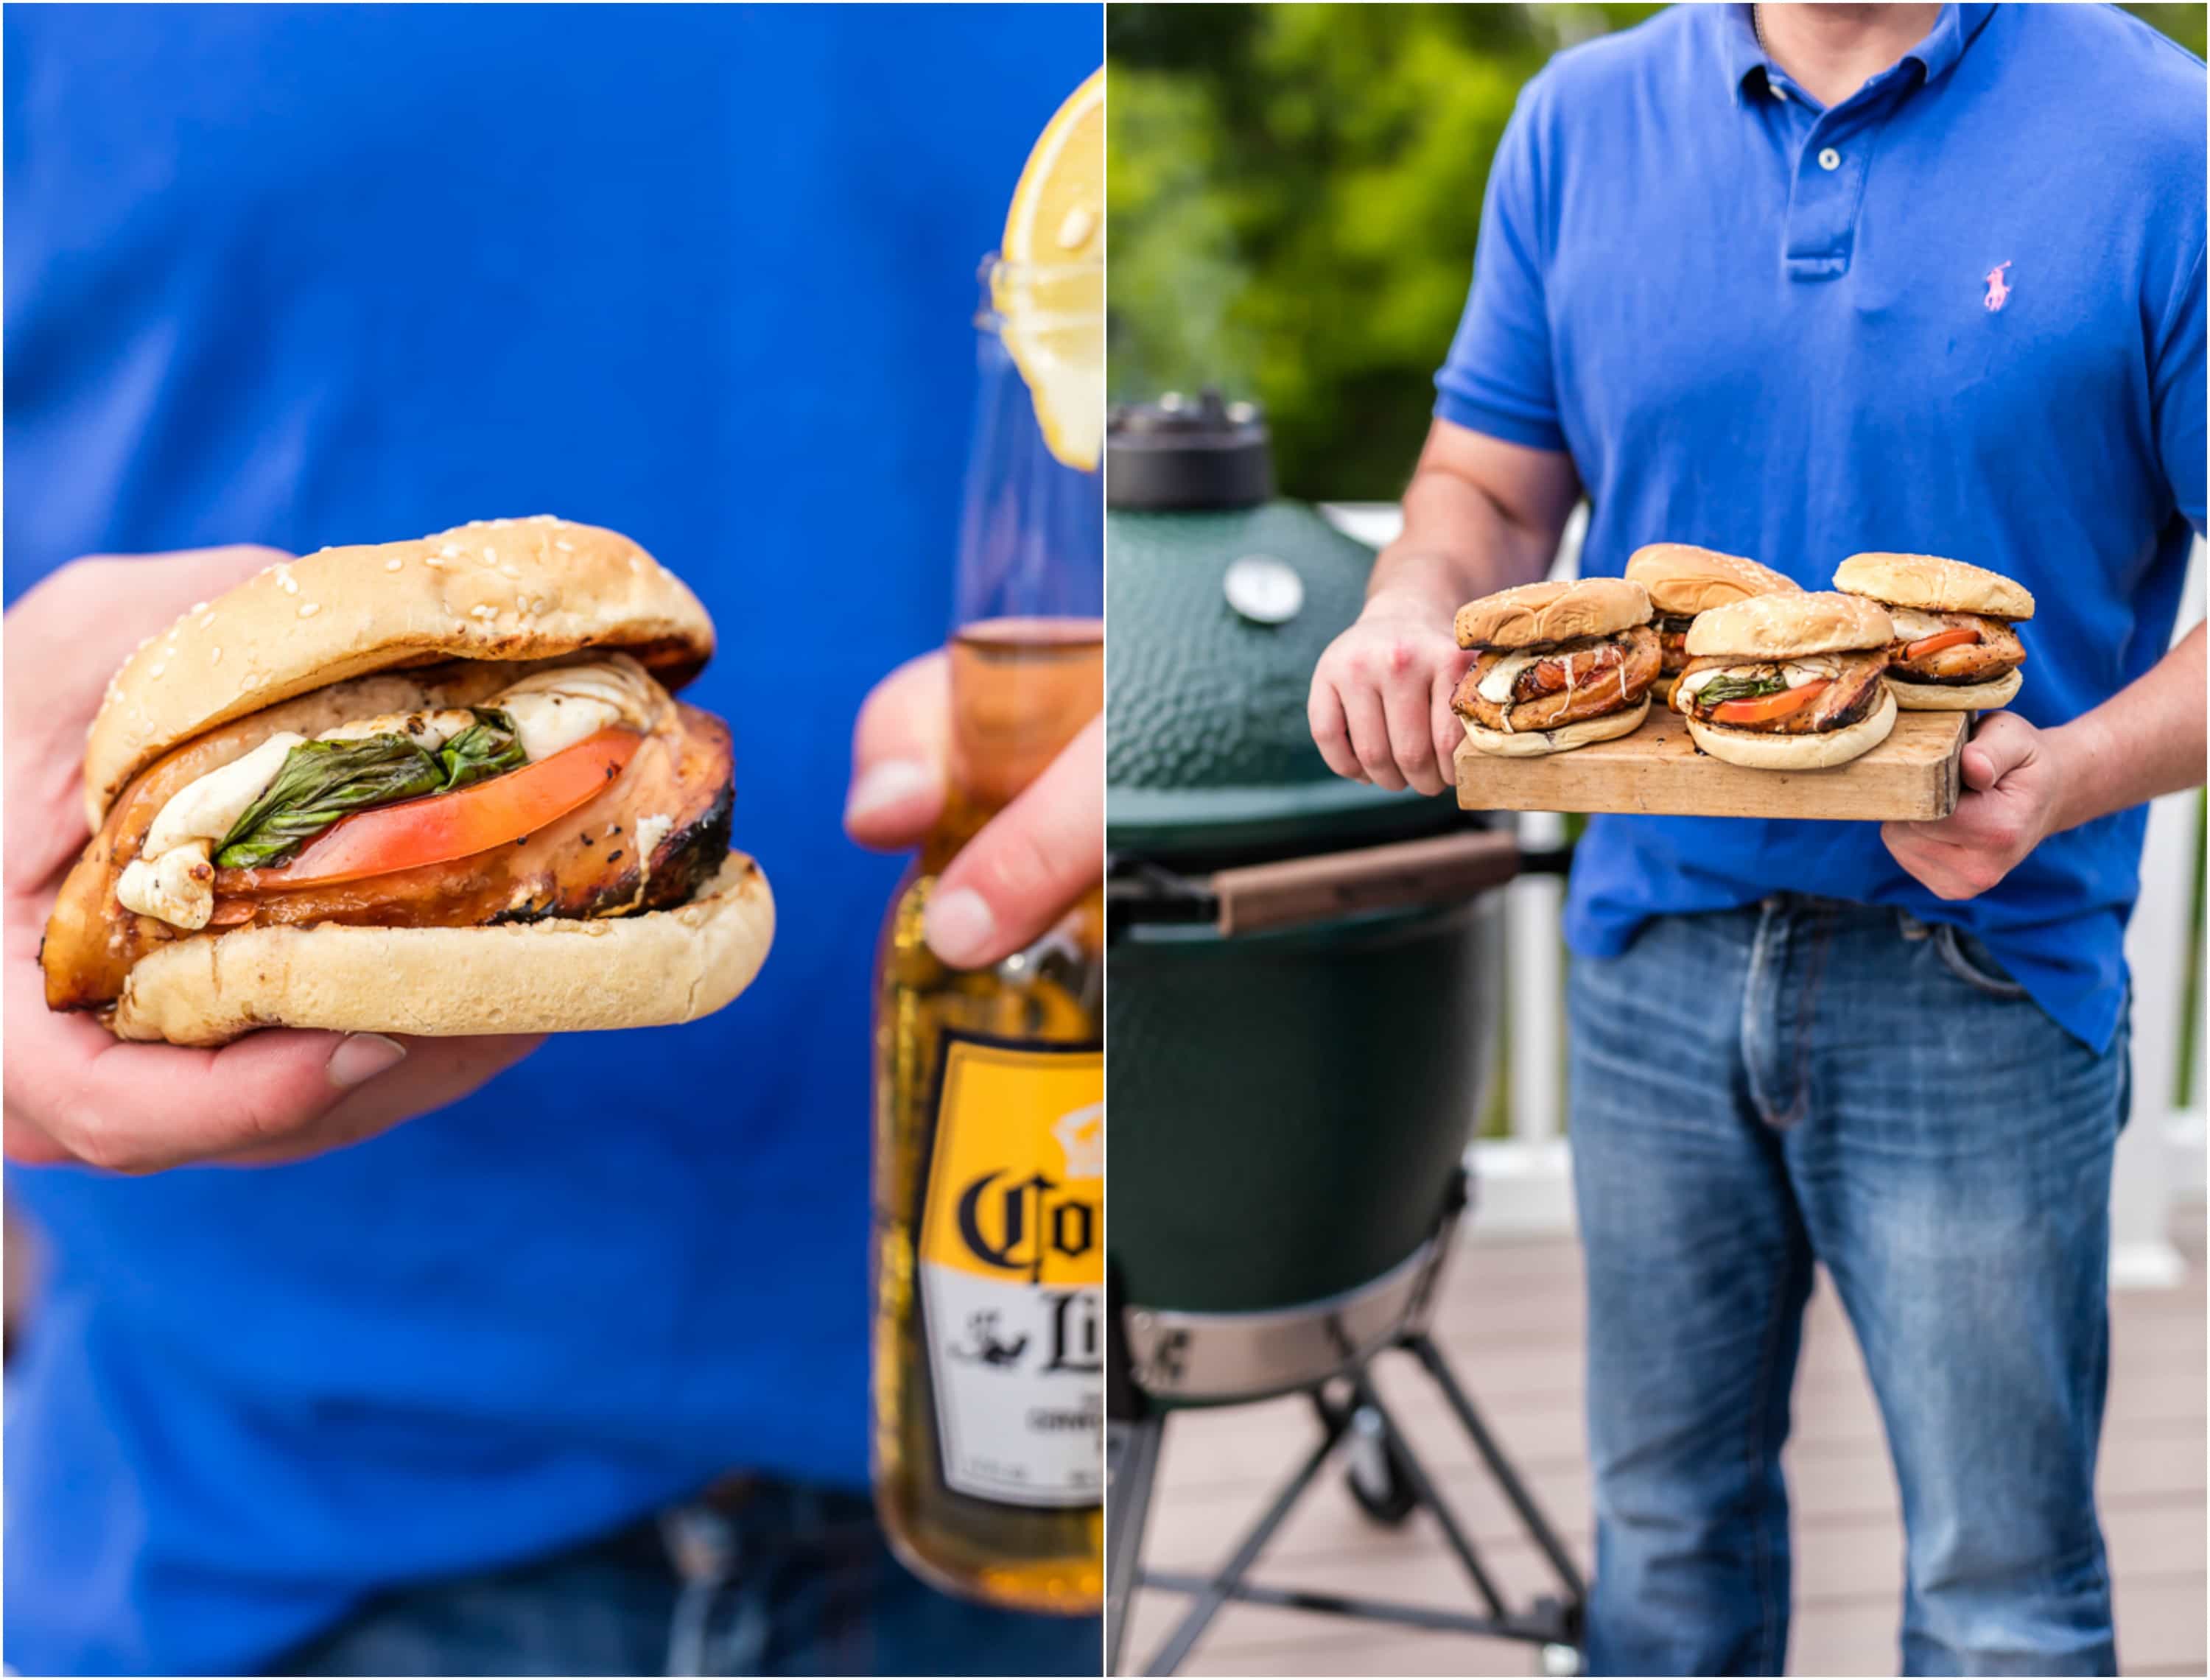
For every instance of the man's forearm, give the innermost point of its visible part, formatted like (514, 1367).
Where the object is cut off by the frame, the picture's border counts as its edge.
(1462, 539)
(2144, 740)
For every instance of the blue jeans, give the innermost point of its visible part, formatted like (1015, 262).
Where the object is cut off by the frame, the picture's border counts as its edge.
(787, 1581)
(1807, 1081)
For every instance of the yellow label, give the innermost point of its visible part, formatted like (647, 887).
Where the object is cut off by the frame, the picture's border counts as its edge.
(1017, 1180)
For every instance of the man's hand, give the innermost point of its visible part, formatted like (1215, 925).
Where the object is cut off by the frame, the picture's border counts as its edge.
(74, 1094)
(2025, 784)
(1480, 515)
(1030, 862)
(2013, 778)
(1379, 706)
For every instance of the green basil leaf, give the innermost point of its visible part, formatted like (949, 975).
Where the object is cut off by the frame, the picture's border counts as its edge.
(1720, 689)
(487, 748)
(319, 782)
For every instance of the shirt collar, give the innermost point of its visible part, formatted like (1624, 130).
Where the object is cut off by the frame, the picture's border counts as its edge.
(1945, 44)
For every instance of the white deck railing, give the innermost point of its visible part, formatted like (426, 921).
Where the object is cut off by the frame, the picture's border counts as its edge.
(1525, 1176)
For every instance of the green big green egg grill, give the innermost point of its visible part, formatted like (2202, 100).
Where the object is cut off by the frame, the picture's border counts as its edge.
(1303, 986)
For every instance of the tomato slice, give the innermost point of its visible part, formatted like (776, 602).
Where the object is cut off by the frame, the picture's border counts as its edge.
(1766, 707)
(1935, 644)
(441, 827)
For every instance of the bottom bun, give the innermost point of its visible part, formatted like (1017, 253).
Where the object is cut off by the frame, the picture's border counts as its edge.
(553, 975)
(1821, 751)
(1956, 696)
(1533, 742)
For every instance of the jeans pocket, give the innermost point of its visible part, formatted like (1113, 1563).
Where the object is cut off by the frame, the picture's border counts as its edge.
(1971, 962)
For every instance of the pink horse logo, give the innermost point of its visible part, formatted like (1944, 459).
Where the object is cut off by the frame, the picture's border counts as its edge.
(1998, 293)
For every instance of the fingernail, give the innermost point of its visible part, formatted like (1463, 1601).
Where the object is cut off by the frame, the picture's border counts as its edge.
(959, 926)
(893, 782)
(362, 1056)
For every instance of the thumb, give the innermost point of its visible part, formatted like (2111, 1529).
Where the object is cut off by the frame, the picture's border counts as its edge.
(1999, 745)
(1029, 864)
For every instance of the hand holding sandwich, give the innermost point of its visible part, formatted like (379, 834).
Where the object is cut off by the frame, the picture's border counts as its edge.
(2023, 784)
(73, 1091)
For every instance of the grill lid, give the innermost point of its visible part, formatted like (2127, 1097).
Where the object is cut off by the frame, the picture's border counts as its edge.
(1218, 617)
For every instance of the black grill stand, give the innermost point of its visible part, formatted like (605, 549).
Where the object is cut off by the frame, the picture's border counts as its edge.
(1388, 1480)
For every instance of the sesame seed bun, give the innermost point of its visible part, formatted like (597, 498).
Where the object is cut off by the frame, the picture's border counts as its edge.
(1933, 585)
(1758, 750)
(1536, 743)
(506, 589)
(1683, 580)
(1781, 627)
(555, 976)
(1956, 696)
(1533, 614)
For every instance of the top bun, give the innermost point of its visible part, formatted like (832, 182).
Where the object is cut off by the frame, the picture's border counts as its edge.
(1533, 614)
(499, 589)
(1684, 579)
(1933, 585)
(1780, 627)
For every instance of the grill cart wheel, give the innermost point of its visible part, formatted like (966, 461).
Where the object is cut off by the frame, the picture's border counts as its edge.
(1376, 1473)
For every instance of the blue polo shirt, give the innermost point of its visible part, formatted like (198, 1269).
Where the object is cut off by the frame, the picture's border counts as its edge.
(1959, 313)
(324, 275)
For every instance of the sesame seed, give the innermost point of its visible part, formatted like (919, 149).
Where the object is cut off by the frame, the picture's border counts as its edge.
(216, 657)
(393, 565)
(537, 605)
(310, 610)
(490, 554)
(157, 671)
(565, 548)
(507, 569)
(450, 550)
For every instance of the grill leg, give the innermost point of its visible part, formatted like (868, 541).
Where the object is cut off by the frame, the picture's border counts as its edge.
(1169, 1656)
(1500, 1467)
(1133, 1462)
(1429, 1495)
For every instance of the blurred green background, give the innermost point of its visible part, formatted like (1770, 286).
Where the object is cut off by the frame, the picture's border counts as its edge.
(1295, 194)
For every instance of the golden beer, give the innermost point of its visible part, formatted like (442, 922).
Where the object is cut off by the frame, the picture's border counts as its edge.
(989, 1187)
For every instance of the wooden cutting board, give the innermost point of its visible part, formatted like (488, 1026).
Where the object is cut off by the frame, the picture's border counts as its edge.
(1911, 776)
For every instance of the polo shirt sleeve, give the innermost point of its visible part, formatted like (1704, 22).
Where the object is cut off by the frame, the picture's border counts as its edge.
(2176, 390)
(1499, 379)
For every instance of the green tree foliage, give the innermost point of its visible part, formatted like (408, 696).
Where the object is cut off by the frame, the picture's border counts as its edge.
(1295, 193)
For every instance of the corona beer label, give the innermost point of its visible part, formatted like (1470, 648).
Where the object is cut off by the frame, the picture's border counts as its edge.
(1012, 1264)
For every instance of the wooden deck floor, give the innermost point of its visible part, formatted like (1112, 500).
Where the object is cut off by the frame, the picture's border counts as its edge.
(1510, 1321)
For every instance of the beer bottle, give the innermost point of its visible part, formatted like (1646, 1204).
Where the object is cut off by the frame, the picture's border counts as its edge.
(989, 1147)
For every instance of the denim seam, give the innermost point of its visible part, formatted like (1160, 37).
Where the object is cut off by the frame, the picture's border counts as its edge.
(1760, 1406)
(1800, 1101)
(1752, 1039)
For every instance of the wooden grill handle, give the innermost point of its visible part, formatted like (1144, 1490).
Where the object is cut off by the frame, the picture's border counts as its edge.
(1300, 890)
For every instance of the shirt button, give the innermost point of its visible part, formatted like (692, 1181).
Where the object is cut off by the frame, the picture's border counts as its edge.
(1829, 158)
(1778, 91)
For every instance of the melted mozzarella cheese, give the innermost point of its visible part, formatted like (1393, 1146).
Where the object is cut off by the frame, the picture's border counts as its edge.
(1495, 685)
(177, 888)
(1912, 625)
(554, 709)
(207, 808)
